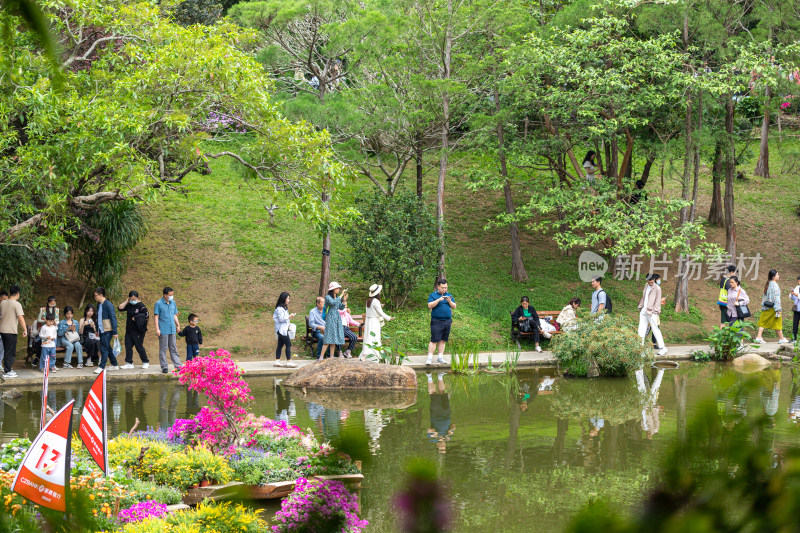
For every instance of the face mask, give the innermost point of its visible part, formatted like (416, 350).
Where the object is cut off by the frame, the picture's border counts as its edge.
(134, 302)
(658, 282)
(171, 298)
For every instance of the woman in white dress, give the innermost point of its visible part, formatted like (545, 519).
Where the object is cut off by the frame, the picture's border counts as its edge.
(373, 322)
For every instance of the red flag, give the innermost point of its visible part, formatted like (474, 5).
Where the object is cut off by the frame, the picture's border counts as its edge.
(43, 476)
(93, 429)
(45, 383)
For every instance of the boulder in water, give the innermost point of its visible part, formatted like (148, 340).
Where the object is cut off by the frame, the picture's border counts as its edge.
(11, 395)
(341, 374)
(750, 361)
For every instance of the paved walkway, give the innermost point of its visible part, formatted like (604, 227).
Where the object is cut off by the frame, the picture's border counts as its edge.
(29, 377)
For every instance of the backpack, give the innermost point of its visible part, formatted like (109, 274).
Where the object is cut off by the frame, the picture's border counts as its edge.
(141, 318)
(609, 308)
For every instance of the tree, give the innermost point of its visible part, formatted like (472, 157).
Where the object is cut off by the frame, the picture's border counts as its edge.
(125, 123)
(101, 246)
(394, 243)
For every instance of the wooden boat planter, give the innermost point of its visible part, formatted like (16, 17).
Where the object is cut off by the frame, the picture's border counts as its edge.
(269, 491)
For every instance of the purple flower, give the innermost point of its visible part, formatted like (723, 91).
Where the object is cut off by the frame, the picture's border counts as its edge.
(142, 511)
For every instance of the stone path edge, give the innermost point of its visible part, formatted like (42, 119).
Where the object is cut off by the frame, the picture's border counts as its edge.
(29, 377)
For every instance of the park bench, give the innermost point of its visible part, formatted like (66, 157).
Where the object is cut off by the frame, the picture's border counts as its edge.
(31, 353)
(310, 340)
(518, 335)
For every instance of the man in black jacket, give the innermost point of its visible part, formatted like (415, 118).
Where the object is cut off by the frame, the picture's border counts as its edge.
(134, 334)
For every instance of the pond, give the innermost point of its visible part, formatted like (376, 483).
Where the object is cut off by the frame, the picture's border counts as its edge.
(528, 449)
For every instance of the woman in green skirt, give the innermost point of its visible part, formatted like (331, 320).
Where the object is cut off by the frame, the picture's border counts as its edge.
(770, 317)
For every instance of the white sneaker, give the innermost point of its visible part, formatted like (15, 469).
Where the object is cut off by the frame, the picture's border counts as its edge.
(428, 361)
(80, 365)
(662, 351)
(67, 365)
(145, 365)
(783, 340)
(539, 349)
(291, 365)
(98, 370)
(116, 367)
(279, 363)
(441, 361)
(54, 369)
(758, 340)
(88, 364)
(127, 366)
(10, 375)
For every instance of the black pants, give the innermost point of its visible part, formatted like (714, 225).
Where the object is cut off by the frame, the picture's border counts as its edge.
(795, 323)
(134, 338)
(284, 340)
(90, 349)
(352, 339)
(9, 350)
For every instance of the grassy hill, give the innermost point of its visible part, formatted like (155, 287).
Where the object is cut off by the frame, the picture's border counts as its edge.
(215, 247)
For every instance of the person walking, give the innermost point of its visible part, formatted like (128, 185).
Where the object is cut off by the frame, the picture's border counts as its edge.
(334, 335)
(649, 309)
(283, 319)
(441, 304)
(135, 329)
(770, 317)
(89, 336)
(69, 338)
(722, 299)
(107, 326)
(317, 323)
(737, 301)
(11, 317)
(374, 318)
(165, 318)
(795, 295)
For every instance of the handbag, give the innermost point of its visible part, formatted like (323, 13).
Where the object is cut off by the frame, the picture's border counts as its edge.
(72, 336)
(292, 331)
(742, 311)
(525, 326)
(768, 304)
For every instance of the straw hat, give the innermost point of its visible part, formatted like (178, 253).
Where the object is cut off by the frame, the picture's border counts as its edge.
(333, 285)
(374, 290)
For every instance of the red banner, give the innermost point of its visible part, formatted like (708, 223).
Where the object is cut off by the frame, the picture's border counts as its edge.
(45, 384)
(93, 429)
(43, 475)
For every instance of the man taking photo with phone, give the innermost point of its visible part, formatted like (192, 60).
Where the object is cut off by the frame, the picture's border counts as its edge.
(441, 304)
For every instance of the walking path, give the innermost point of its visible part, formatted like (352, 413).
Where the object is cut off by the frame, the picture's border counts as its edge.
(29, 377)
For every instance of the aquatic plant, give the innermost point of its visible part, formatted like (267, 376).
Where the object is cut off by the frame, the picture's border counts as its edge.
(319, 506)
(728, 341)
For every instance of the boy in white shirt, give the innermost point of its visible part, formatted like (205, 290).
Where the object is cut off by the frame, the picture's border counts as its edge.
(48, 333)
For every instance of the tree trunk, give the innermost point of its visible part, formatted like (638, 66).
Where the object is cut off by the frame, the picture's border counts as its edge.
(445, 139)
(325, 270)
(730, 174)
(418, 156)
(626, 158)
(517, 265)
(716, 215)
(607, 150)
(762, 167)
(651, 158)
(690, 156)
(613, 161)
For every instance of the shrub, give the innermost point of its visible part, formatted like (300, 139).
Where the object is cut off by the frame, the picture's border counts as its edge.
(609, 342)
(205, 518)
(149, 491)
(725, 342)
(393, 243)
(142, 511)
(319, 506)
(190, 467)
(124, 452)
(11, 453)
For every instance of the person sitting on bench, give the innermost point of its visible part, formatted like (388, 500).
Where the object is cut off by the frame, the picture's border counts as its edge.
(527, 319)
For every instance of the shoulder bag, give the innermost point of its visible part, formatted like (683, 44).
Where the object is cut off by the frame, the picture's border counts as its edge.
(742, 311)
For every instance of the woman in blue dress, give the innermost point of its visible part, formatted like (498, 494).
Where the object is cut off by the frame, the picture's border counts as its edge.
(334, 334)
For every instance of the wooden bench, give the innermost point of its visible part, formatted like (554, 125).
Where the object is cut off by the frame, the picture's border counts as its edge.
(310, 340)
(516, 334)
(31, 353)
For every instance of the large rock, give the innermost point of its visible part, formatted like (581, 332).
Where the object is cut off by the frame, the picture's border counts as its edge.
(340, 374)
(750, 362)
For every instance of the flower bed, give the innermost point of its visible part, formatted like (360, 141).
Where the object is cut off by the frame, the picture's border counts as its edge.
(222, 452)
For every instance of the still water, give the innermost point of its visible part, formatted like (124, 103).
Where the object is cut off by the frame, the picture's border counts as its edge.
(519, 453)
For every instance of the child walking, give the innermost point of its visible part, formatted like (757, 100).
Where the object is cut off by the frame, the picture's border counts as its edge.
(194, 337)
(48, 333)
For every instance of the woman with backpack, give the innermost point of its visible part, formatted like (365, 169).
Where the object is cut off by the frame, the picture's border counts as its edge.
(135, 329)
(770, 317)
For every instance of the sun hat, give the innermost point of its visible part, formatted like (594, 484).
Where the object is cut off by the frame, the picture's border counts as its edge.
(374, 290)
(333, 285)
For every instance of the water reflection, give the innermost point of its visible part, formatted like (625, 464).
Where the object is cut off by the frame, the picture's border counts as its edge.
(522, 447)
